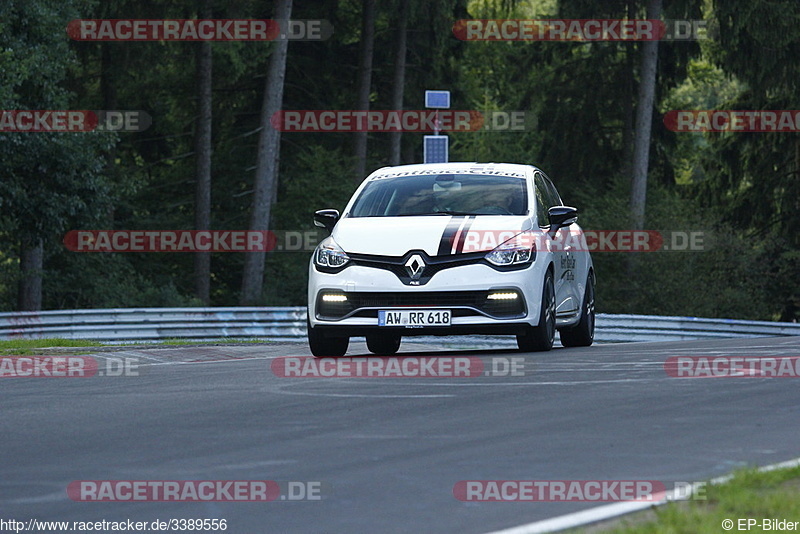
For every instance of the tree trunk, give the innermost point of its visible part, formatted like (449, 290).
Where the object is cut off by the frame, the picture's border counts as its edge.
(396, 138)
(364, 82)
(202, 153)
(627, 111)
(110, 101)
(267, 160)
(627, 128)
(31, 261)
(644, 118)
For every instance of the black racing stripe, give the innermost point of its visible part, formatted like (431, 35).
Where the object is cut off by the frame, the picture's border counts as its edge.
(446, 242)
(463, 237)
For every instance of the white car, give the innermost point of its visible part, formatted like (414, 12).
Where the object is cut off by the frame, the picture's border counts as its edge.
(451, 248)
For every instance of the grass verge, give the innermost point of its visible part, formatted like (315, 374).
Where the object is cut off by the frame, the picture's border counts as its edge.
(221, 341)
(750, 494)
(31, 347)
(27, 347)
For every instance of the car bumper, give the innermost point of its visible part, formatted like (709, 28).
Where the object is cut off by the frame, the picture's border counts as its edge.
(464, 290)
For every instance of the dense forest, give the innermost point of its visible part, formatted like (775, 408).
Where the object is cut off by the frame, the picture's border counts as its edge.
(211, 159)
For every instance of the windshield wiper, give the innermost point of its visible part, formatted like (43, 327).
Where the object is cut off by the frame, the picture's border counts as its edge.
(451, 212)
(439, 212)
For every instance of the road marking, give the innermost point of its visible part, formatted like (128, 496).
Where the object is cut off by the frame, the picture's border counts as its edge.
(610, 511)
(55, 496)
(352, 395)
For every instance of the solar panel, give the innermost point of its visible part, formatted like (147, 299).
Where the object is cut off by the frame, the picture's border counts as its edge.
(436, 148)
(437, 99)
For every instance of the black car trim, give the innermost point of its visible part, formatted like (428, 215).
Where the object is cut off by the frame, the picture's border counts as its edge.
(446, 241)
(462, 237)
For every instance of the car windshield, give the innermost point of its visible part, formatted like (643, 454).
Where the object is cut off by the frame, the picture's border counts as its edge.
(442, 194)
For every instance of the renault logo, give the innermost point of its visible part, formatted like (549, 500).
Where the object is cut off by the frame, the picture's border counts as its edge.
(415, 265)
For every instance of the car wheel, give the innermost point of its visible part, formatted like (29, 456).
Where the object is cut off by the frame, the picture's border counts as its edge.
(582, 334)
(383, 344)
(323, 346)
(540, 337)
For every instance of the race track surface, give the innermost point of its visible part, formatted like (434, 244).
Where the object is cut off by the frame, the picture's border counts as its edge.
(387, 451)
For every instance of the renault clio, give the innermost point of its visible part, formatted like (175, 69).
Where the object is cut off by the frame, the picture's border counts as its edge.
(448, 249)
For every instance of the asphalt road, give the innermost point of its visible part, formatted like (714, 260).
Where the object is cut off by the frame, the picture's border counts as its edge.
(387, 451)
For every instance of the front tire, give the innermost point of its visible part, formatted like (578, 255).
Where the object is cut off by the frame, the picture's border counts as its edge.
(540, 338)
(582, 334)
(383, 344)
(322, 346)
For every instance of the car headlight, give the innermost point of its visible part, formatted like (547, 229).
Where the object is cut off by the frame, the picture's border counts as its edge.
(518, 250)
(329, 255)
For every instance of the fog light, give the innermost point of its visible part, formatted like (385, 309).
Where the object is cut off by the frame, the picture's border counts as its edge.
(334, 298)
(503, 296)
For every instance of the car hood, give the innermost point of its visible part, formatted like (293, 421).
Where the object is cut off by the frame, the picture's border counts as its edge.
(436, 234)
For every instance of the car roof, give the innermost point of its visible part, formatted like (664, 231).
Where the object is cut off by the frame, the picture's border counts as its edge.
(503, 169)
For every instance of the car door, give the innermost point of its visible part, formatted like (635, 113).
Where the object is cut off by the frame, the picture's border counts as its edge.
(564, 255)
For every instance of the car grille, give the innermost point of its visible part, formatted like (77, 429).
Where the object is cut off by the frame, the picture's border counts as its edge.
(433, 264)
(366, 304)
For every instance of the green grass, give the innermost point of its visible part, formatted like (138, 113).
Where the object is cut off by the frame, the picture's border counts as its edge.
(27, 347)
(44, 343)
(181, 341)
(749, 494)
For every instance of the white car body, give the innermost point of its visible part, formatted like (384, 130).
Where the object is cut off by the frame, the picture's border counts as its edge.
(385, 253)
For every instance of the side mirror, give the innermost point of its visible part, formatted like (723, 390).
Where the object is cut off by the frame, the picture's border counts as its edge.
(326, 219)
(561, 216)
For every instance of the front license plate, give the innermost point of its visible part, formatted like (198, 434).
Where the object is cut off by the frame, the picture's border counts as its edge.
(414, 318)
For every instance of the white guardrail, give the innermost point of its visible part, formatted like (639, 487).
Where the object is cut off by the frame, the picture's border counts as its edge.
(150, 324)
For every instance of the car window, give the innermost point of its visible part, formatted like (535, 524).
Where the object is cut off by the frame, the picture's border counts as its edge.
(467, 194)
(543, 200)
(553, 193)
